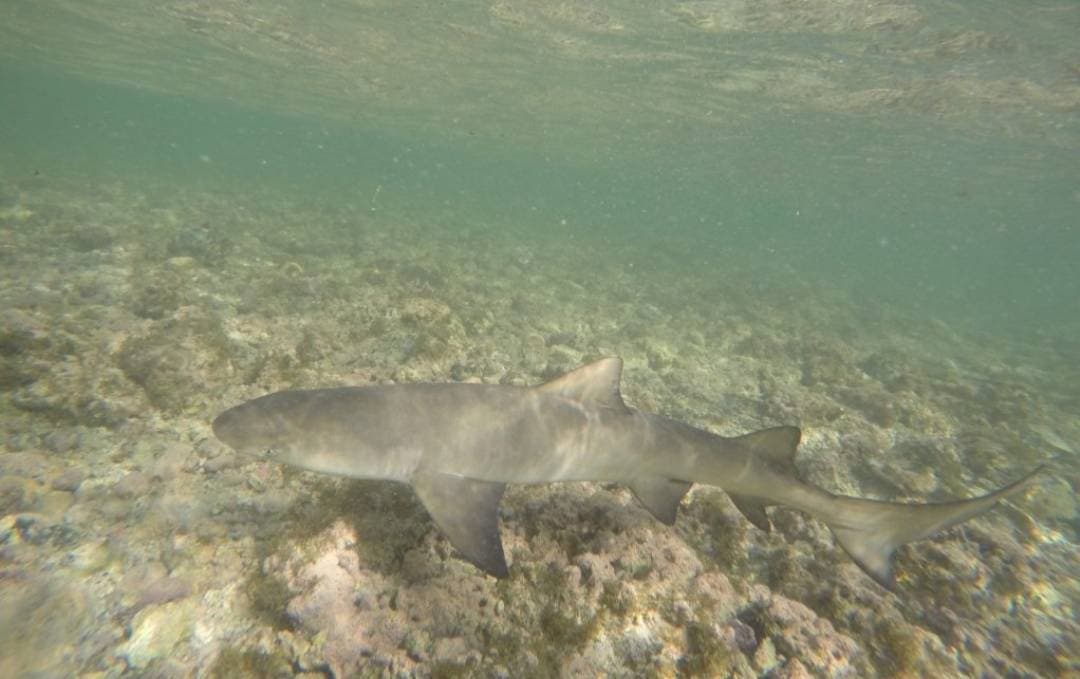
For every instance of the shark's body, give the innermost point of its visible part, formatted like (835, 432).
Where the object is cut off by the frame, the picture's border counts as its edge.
(458, 445)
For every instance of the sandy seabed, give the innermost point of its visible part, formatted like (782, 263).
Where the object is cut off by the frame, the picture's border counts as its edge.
(132, 543)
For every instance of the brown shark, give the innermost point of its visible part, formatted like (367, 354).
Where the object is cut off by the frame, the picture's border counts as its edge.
(458, 445)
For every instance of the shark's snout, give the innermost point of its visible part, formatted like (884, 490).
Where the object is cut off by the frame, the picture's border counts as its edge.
(226, 427)
(243, 428)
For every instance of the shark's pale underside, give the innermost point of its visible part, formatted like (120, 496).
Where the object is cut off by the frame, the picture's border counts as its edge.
(458, 445)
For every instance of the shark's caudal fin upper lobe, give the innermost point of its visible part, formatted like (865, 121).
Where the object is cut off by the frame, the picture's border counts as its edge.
(870, 530)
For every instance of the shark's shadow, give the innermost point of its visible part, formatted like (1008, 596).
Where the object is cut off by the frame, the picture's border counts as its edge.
(389, 520)
(386, 517)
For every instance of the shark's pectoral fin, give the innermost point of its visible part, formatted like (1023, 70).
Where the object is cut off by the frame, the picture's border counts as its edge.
(660, 496)
(753, 509)
(467, 512)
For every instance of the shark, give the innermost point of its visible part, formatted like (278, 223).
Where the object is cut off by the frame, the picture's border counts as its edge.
(459, 444)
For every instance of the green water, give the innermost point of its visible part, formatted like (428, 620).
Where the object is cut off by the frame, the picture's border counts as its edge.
(734, 142)
(855, 217)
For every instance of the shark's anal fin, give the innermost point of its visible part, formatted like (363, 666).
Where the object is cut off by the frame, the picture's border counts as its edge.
(753, 510)
(660, 496)
(467, 512)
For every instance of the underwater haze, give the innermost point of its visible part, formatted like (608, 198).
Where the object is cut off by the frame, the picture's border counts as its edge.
(922, 155)
(860, 218)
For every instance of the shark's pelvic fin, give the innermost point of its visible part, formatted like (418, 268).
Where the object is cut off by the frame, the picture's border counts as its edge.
(597, 382)
(777, 446)
(467, 512)
(870, 530)
(660, 496)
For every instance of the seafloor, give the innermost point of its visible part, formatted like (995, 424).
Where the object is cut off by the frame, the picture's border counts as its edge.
(132, 543)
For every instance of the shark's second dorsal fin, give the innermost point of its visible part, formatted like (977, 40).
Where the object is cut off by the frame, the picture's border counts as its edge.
(777, 445)
(596, 382)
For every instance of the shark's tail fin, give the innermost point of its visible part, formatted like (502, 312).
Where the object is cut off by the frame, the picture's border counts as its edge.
(870, 530)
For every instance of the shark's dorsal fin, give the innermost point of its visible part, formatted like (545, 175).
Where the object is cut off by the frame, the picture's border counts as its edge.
(660, 496)
(467, 512)
(596, 382)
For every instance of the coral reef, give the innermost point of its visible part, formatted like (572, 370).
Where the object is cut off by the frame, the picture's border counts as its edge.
(132, 542)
